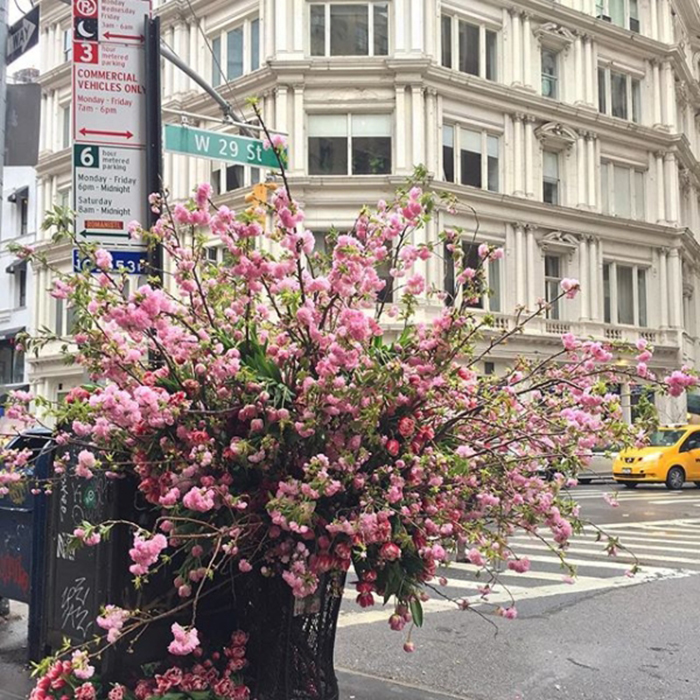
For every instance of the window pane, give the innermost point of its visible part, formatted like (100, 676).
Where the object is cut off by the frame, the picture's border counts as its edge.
(639, 205)
(491, 55)
(371, 125)
(381, 29)
(618, 95)
(642, 296)
(617, 12)
(468, 48)
(59, 317)
(216, 61)
(494, 273)
(328, 125)
(625, 295)
(471, 140)
(448, 153)
(470, 157)
(448, 275)
(551, 164)
(471, 259)
(551, 266)
(216, 182)
(66, 128)
(318, 30)
(606, 293)
(636, 101)
(234, 55)
(446, 39)
(602, 103)
(371, 155)
(492, 163)
(621, 177)
(234, 177)
(328, 155)
(549, 74)
(255, 44)
(349, 30)
(634, 16)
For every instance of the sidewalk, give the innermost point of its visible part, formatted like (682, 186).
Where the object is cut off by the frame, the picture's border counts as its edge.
(15, 683)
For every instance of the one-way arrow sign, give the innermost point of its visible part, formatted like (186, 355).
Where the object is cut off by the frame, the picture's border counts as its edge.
(23, 35)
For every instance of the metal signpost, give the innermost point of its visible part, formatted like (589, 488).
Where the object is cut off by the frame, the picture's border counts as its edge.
(217, 146)
(109, 121)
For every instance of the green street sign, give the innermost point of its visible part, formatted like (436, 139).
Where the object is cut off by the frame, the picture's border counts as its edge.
(217, 146)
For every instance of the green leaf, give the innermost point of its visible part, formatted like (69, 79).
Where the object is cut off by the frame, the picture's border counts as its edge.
(177, 696)
(200, 695)
(416, 612)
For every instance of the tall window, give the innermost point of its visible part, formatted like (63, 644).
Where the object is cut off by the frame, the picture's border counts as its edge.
(236, 51)
(448, 152)
(65, 123)
(619, 95)
(469, 47)
(67, 45)
(349, 29)
(552, 289)
(473, 154)
(550, 177)
(22, 287)
(622, 189)
(353, 144)
(491, 300)
(226, 177)
(623, 13)
(625, 294)
(11, 363)
(550, 74)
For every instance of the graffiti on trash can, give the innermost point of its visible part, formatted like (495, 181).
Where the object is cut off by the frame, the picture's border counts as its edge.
(12, 571)
(75, 612)
(63, 546)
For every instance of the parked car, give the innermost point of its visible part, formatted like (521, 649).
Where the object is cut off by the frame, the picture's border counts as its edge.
(599, 468)
(672, 458)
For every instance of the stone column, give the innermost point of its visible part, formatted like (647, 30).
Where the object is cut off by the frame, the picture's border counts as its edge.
(527, 51)
(671, 188)
(591, 163)
(675, 286)
(195, 62)
(660, 189)
(663, 287)
(299, 8)
(401, 159)
(400, 21)
(669, 96)
(581, 171)
(529, 157)
(297, 142)
(531, 300)
(578, 86)
(584, 276)
(665, 25)
(626, 402)
(654, 16)
(417, 124)
(267, 20)
(281, 114)
(282, 25)
(594, 278)
(433, 133)
(518, 153)
(589, 70)
(418, 8)
(517, 48)
(519, 265)
(657, 119)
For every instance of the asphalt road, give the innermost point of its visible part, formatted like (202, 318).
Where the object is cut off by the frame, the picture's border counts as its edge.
(607, 636)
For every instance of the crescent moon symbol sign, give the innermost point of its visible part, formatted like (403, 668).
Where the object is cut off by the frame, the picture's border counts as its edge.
(82, 32)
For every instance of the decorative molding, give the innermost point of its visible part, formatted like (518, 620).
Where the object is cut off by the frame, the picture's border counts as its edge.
(554, 35)
(556, 135)
(560, 242)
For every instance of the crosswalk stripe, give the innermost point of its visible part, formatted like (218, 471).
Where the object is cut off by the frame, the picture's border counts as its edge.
(541, 575)
(576, 541)
(351, 618)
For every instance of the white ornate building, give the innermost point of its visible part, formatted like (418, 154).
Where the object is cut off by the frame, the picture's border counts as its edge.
(569, 128)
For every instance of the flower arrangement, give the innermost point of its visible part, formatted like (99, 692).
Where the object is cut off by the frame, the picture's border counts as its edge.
(285, 420)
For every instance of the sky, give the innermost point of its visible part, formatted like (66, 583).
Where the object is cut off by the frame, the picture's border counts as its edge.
(17, 8)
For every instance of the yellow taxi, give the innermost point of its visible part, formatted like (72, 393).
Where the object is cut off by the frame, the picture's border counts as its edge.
(672, 458)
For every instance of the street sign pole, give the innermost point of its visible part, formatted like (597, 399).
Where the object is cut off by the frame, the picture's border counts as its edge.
(154, 148)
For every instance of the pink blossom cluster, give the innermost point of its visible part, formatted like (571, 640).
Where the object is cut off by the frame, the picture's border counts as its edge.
(145, 552)
(112, 620)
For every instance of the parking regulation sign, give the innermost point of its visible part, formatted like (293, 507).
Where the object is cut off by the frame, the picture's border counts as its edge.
(108, 186)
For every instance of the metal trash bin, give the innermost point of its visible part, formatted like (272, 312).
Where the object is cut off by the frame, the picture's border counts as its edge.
(23, 537)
